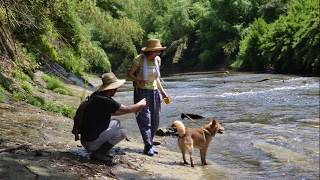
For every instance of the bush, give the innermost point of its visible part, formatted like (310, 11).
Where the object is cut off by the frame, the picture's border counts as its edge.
(249, 57)
(56, 85)
(28, 98)
(18, 96)
(2, 94)
(27, 87)
(20, 75)
(291, 44)
(97, 58)
(62, 91)
(35, 100)
(65, 110)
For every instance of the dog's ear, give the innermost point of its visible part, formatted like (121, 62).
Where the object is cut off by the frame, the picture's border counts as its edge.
(213, 122)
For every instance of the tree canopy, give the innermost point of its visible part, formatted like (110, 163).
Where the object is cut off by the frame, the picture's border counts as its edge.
(99, 35)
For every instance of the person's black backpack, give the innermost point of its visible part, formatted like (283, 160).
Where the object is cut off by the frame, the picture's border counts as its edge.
(78, 118)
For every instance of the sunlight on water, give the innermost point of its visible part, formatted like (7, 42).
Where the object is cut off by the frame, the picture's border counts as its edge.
(285, 156)
(285, 88)
(272, 127)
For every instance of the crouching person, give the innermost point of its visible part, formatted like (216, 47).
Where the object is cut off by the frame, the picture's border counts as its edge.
(99, 133)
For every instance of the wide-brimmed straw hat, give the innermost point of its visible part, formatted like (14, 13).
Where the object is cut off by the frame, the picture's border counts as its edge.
(153, 45)
(110, 81)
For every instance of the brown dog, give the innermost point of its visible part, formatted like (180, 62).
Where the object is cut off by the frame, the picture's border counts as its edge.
(190, 138)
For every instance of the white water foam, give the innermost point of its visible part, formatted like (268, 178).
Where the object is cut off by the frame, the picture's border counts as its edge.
(285, 88)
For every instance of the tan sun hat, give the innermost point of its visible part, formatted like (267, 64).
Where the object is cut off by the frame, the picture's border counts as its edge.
(110, 81)
(153, 45)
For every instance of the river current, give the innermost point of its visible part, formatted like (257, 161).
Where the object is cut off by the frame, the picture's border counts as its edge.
(271, 122)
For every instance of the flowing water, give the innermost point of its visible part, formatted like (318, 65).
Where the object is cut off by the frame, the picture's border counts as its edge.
(271, 122)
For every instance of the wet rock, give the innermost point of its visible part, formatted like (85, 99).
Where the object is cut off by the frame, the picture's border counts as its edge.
(191, 116)
(165, 132)
(156, 143)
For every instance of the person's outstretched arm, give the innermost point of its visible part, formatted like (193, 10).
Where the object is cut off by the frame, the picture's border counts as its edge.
(131, 108)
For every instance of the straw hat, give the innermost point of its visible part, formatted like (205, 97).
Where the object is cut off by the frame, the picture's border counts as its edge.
(153, 45)
(110, 81)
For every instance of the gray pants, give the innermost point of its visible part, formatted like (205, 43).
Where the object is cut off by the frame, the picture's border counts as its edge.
(113, 135)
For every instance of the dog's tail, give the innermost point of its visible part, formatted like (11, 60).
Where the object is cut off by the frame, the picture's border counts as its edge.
(180, 127)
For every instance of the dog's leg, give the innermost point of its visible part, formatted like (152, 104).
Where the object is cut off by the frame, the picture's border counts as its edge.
(203, 153)
(183, 152)
(191, 160)
(190, 153)
(184, 156)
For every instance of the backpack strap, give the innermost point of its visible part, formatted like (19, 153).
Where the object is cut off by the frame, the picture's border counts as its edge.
(77, 120)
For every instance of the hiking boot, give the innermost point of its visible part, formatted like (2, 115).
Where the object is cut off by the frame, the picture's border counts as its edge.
(148, 151)
(102, 158)
(154, 150)
(106, 147)
(102, 151)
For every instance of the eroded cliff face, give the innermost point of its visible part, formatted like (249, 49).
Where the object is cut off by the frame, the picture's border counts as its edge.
(7, 46)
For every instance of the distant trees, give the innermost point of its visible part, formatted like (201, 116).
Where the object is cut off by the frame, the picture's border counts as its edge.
(290, 44)
(100, 35)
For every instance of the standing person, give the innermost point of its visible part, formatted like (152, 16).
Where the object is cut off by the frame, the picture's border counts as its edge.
(145, 73)
(99, 133)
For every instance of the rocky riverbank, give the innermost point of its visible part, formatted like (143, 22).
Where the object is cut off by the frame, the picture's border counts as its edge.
(38, 144)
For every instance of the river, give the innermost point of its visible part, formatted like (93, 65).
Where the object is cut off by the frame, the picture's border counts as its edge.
(271, 122)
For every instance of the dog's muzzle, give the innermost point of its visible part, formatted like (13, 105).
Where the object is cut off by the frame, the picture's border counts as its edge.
(221, 130)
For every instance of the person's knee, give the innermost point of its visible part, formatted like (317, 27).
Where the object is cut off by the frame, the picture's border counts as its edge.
(114, 123)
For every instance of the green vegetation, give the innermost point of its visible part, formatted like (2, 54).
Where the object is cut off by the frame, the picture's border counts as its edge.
(64, 110)
(35, 100)
(288, 45)
(100, 35)
(248, 57)
(19, 75)
(27, 87)
(56, 85)
(2, 94)
(96, 36)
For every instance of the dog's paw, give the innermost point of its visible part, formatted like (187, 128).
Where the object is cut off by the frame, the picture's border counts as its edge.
(184, 163)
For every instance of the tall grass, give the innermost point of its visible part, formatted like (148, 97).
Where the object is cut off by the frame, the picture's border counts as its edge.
(27, 87)
(56, 85)
(62, 109)
(2, 95)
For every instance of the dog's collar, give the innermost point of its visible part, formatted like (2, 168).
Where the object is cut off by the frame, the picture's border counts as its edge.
(206, 130)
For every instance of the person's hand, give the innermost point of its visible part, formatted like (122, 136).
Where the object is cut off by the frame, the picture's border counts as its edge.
(164, 95)
(142, 103)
